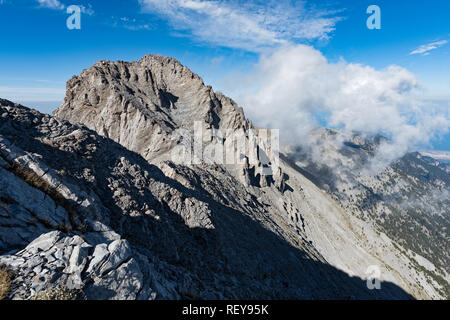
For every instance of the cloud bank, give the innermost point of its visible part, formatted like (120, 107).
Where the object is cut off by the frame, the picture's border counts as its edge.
(248, 25)
(293, 84)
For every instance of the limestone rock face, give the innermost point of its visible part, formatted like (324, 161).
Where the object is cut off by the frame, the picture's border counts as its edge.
(91, 201)
(140, 104)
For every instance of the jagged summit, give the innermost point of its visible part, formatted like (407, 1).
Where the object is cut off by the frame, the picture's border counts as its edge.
(139, 104)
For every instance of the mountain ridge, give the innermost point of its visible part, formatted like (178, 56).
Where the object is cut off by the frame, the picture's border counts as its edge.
(251, 223)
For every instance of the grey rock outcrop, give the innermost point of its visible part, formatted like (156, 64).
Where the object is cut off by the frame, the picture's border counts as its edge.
(55, 260)
(140, 104)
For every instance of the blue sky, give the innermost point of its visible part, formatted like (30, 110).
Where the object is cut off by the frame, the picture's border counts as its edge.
(38, 53)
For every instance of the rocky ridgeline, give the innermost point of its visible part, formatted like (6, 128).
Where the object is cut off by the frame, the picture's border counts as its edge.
(141, 104)
(79, 211)
(90, 202)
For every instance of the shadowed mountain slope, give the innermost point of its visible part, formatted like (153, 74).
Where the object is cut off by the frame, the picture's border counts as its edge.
(110, 197)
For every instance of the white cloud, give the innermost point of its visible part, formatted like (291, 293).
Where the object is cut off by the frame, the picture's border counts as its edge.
(290, 86)
(137, 27)
(426, 48)
(87, 10)
(51, 4)
(245, 25)
(57, 5)
(130, 23)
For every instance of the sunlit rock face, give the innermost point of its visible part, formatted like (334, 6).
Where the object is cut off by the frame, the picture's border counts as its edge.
(92, 203)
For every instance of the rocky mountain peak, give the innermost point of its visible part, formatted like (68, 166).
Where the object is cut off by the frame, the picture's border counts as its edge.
(140, 104)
